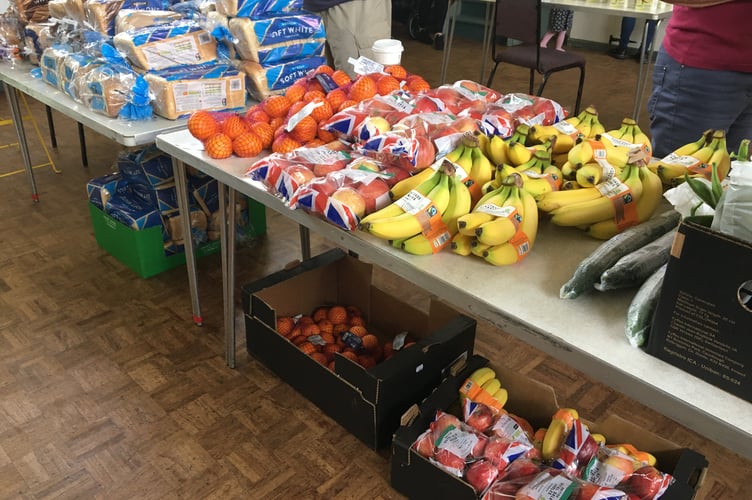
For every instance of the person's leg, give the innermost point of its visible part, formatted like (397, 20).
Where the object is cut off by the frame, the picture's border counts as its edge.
(651, 34)
(627, 27)
(352, 27)
(546, 38)
(560, 40)
(686, 101)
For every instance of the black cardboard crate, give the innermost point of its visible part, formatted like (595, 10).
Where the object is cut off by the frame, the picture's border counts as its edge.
(417, 478)
(700, 323)
(368, 403)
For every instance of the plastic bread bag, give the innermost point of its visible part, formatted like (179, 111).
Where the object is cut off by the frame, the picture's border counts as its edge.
(131, 19)
(733, 214)
(30, 11)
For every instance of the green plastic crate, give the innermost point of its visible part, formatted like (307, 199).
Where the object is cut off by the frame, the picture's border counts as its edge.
(143, 251)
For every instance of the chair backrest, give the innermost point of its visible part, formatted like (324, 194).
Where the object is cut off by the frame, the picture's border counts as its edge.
(518, 20)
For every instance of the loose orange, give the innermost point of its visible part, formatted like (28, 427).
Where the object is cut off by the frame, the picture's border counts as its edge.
(313, 94)
(336, 97)
(323, 111)
(234, 126)
(319, 357)
(396, 71)
(337, 315)
(341, 78)
(202, 125)
(387, 84)
(324, 68)
(307, 348)
(276, 105)
(362, 88)
(319, 313)
(326, 326)
(247, 145)
(284, 143)
(295, 92)
(218, 146)
(360, 331)
(370, 341)
(285, 324)
(305, 130)
(265, 133)
(346, 104)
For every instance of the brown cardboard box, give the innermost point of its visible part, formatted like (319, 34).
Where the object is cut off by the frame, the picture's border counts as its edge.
(702, 323)
(416, 477)
(367, 402)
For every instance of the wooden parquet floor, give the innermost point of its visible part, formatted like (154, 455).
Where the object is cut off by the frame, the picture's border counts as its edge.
(108, 390)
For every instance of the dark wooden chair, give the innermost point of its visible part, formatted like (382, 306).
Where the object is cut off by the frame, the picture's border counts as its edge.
(519, 21)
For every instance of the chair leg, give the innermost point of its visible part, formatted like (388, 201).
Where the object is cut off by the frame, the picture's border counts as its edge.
(579, 91)
(491, 76)
(532, 81)
(543, 84)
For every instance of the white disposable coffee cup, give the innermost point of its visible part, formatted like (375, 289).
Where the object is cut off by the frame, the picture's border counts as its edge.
(387, 51)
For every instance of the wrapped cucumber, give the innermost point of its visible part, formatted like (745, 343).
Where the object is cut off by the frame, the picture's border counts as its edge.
(641, 309)
(610, 251)
(635, 267)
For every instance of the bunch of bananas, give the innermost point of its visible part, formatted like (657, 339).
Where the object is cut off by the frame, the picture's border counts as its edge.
(696, 159)
(557, 431)
(587, 122)
(593, 161)
(473, 162)
(561, 134)
(423, 217)
(484, 387)
(502, 226)
(608, 207)
(630, 133)
(539, 175)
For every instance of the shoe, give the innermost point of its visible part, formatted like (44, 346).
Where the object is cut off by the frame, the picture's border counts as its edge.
(618, 53)
(438, 41)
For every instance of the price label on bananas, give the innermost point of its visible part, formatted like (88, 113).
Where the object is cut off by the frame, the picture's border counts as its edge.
(413, 202)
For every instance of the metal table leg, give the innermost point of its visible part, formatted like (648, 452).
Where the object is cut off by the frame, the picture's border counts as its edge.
(645, 65)
(227, 239)
(487, 36)
(82, 145)
(456, 5)
(181, 186)
(51, 125)
(305, 242)
(10, 92)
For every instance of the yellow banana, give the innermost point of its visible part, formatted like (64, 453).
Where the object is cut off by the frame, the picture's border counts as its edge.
(502, 172)
(668, 172)
(569, 185)
(455, 154)
(704, 153)
(557, 199)
(465, 161)
(561, 423)
(581, 153)
(641, 137)
(461, 243)
(540, 184)
(505, 224)
(501, 396)
(483, 375)
(409, 223)
(596, 127)
(652, 194)
(477, 248)
(518, 154)
(589, 174)
(518, 247)
(585, 125)
(692, 147)
(720, 157)
(590, 212)
(459, 203)
(481, 170)
(406, 185)
(483, 142)
(497, 150)
(617, 156)
(468, 223)
(395, 209)
(569, 170)
(492, 386)
(618, 133)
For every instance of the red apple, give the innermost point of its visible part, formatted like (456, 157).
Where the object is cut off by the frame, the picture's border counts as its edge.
(522, 467)
(588, 450)
(442, 422)
(375, 193)
(481, 474)
(424, 445)
(396, 173)
(300, 174)
(350, 197)
(449, 459)
(495, 450)
(324, 185)
(646, 482)
(481, 418)
(426, 153)
(321, 169)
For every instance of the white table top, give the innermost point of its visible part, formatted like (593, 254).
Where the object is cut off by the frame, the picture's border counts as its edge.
(586, 333)
(653, 9)
(127, 133)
